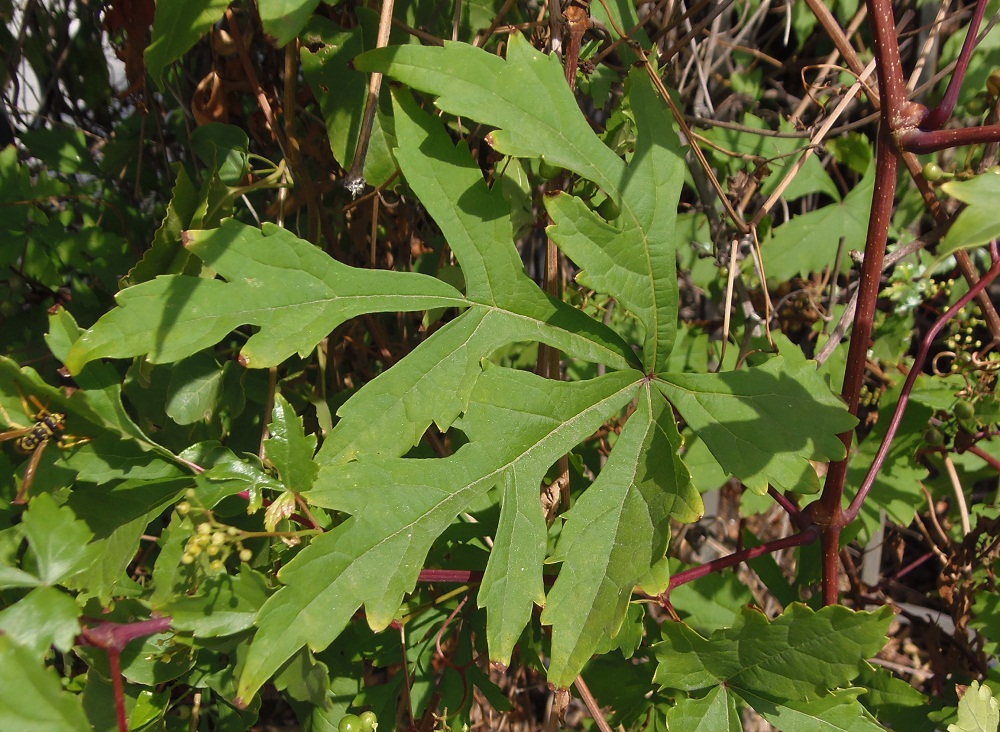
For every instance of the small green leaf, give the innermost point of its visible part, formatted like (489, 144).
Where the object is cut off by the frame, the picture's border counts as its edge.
(166, 254)
(342, 91)
(283, 19)
(809, 242)
(289, 449)
(177, 26)
(977, 711)
(978, 223)
(292, 290)
(33, 698)
(223, 606)
(223, 148)
(765, 423)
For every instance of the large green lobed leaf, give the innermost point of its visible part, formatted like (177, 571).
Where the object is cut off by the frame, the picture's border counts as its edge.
(515, 421)
(294, 292)
(526, 98)
(799, 655)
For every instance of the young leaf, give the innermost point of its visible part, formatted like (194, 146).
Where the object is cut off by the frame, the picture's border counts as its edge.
(798, 656)
(515, 420)
(292, 290)
(614, 534)
(58, 540)
(289, 449)
(977, 711)
(765, 423)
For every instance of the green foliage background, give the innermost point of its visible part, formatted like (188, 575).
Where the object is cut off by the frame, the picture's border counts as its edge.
(305, 436)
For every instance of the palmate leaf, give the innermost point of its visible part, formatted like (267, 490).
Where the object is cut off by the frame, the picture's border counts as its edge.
(765, 423)
(294, 292)
(614, 534)
(390, 414)
(527, 99)
(515, 421)
(808, 242)
(799, 656)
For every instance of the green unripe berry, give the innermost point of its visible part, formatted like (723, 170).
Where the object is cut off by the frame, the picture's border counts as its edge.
(976, 106)
(933, 172)
(934, 437)
(213, 550)
(245, 555)
(965, 410)
(369, 722)
(187, 558)
(190, 493)
(204, 529)
(218, 538)
(217, 565)
(183, 508)
(350, 723)
(993, 83)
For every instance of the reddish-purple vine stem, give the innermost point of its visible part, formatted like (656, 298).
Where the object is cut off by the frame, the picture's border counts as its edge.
(981, 453)
(897, 416)
(937, 117)
(717, 565)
